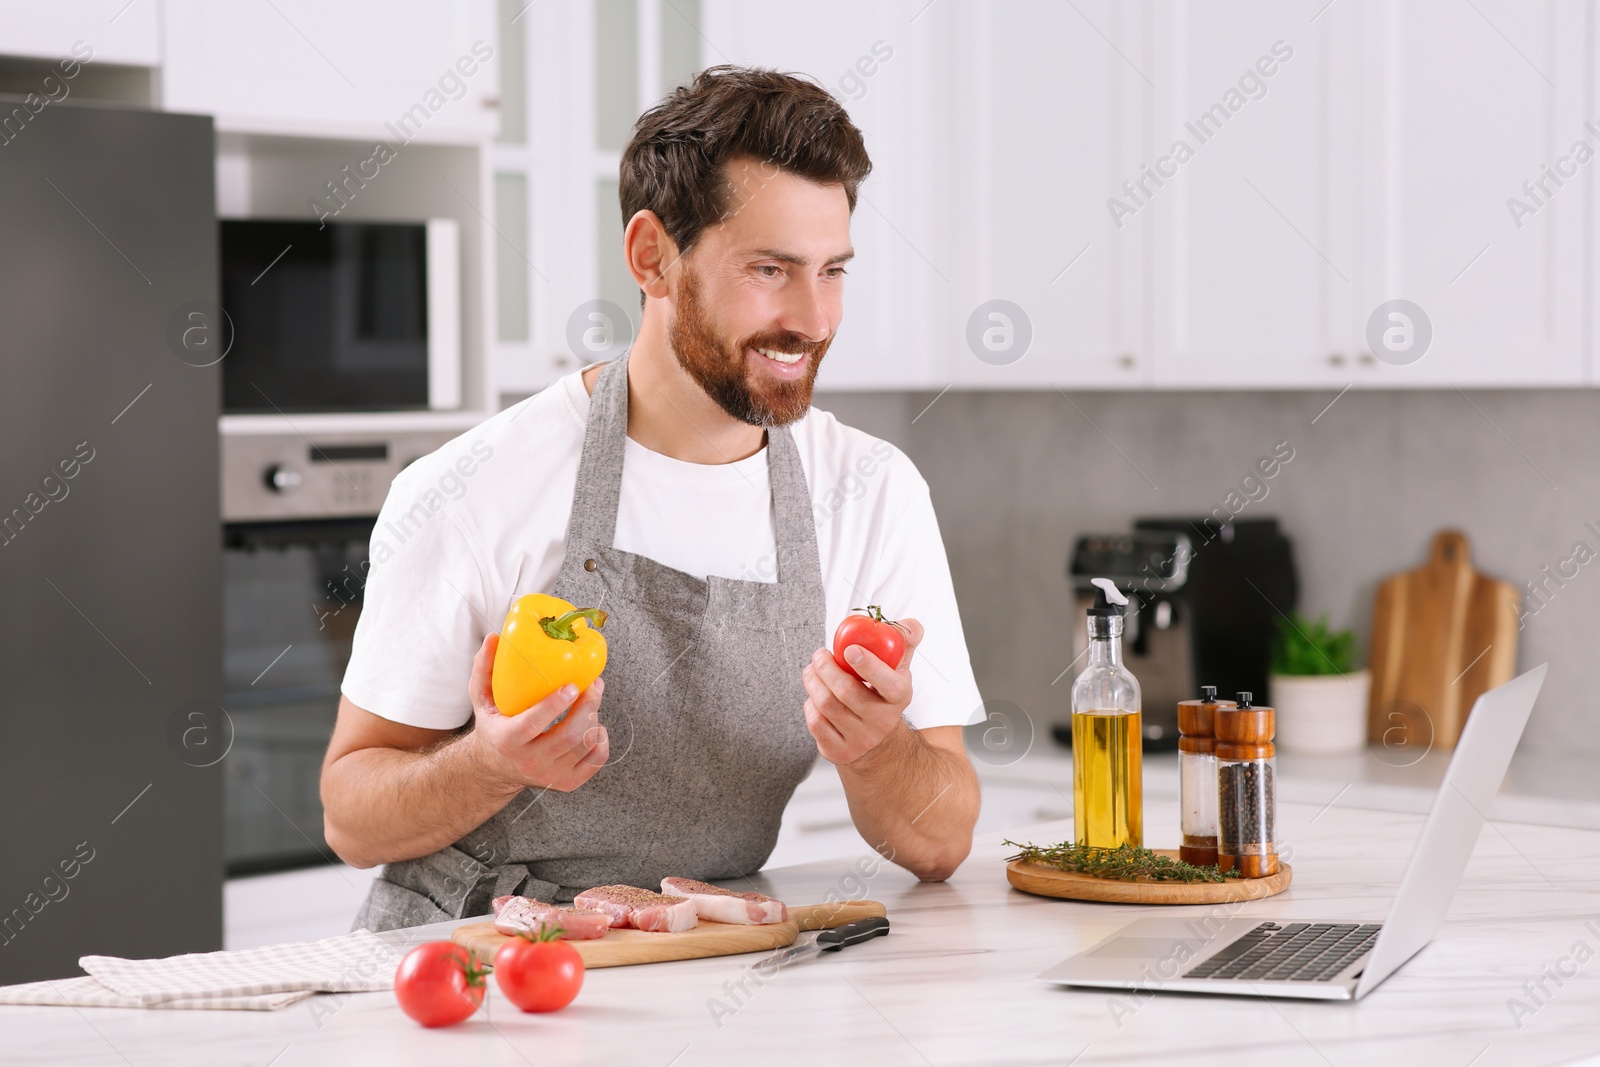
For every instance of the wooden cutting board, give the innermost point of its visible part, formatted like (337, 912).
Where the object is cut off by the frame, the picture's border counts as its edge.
(1047, 881)
(620, 948)
(1441, 635)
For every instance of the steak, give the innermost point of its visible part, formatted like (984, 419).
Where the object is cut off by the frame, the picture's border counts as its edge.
(524, 915)
(627, 905)
(724, 905)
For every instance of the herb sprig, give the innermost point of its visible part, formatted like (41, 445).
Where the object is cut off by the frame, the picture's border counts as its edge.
(1126, 863)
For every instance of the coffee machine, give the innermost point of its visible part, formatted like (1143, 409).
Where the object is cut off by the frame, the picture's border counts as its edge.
(1204, 600)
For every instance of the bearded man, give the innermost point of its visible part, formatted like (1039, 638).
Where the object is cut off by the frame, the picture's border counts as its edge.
(726, 527)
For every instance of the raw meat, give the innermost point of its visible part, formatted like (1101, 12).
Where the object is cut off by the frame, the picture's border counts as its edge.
(516, 915)
(724, 905)
(641, 909)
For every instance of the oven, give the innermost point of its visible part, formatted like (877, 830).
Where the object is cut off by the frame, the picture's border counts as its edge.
(298, 512)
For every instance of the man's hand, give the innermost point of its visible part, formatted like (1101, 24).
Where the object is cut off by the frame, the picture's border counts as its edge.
(515, 752)
(849, 718)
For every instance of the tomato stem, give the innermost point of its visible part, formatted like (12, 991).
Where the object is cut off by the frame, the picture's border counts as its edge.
(560, 628)
(876, 613)
(476, 970)
(545, 932)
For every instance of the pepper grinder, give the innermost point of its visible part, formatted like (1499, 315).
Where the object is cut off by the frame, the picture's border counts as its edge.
(1246, 795)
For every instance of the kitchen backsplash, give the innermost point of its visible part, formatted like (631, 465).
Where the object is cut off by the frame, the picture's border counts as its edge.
(1017, 476)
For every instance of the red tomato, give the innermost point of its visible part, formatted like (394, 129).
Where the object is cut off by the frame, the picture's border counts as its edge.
(439, 983)
(538, 973)
(882, 637)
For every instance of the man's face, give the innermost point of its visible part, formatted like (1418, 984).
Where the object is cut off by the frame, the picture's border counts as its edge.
(759, 295)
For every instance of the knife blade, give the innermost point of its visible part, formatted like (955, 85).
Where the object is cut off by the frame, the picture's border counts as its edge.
(820, 941)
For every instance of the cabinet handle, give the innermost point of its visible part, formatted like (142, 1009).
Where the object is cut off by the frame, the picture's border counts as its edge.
(1128, 360)
(1368, 359)
(1336, 359)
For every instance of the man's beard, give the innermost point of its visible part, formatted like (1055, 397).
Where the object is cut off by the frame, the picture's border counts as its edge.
(720, 368)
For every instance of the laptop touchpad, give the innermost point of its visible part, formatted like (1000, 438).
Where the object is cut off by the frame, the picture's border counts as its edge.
(1140, 948)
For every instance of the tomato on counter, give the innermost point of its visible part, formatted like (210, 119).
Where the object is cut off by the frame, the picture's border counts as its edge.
(884, 638)
(536, 972)
(546, 643)
(439, 983)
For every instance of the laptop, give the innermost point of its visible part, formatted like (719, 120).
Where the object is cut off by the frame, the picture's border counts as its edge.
(1215, 953)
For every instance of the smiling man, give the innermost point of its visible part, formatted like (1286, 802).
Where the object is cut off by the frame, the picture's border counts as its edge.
(726, 527)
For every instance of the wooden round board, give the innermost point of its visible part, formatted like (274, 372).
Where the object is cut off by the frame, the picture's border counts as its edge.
(1069, 885)
(619, 948)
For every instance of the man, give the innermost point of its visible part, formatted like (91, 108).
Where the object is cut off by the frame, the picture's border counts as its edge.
(726, 528)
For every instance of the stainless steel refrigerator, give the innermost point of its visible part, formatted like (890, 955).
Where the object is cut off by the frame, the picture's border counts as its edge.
(112, 740)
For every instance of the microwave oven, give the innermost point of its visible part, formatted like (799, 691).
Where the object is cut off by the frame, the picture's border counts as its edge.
(340, 316)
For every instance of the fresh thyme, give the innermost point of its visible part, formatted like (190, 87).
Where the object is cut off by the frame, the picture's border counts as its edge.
(1125, 863)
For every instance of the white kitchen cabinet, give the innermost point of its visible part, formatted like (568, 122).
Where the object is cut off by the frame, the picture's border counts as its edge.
(1248, 188)
(119, 31)
(358, 69)
(1376, 166)
(1464, 104)
(890, 66)
(1275, 212)
(1050, 103)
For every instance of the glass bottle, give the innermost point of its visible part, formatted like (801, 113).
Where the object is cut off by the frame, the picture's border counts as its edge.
(1197, 777)
(1107, 766)
(1247, 803)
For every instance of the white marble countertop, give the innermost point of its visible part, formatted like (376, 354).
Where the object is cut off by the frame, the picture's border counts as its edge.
(954, 982)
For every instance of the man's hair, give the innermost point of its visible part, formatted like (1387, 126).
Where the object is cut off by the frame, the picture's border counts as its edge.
(673, 163)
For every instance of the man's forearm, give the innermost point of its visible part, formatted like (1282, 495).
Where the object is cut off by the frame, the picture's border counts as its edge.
(383, 805)
(914, 802)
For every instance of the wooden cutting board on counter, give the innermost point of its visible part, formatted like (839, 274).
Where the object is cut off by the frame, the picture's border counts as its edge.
(621, 948)
(1044, 881)
(1441, 636)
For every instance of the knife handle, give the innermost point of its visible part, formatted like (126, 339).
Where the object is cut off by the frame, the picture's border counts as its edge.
(852, 933)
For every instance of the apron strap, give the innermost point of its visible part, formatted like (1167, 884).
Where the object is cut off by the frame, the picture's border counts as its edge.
(794, 522)
(594, 504)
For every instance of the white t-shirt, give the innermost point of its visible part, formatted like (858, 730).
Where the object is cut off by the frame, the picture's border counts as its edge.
(483, 520)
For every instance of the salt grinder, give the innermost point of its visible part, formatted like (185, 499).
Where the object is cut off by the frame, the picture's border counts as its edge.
(1197, 777)
(1246, 796)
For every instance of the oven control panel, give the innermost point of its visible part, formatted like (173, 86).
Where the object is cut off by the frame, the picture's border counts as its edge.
(284, 477)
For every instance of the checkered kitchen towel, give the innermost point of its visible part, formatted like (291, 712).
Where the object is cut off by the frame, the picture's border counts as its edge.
(259, 979)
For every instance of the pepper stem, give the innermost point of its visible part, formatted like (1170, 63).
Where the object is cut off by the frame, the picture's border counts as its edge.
(559, 627)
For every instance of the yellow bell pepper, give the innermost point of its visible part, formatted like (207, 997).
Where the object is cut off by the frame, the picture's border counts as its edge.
(545, 644)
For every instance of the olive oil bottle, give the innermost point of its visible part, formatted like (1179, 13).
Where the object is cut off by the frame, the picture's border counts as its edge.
(1107, 766)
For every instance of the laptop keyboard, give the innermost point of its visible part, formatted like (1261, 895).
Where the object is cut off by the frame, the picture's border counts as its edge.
(1298, 952)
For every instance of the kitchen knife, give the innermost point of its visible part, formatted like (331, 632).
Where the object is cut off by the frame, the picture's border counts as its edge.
(826, 941)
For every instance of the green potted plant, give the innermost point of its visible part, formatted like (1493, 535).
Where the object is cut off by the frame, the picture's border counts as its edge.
(1320, 696)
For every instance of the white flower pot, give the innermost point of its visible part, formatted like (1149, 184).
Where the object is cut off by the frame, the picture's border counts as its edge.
(1321, 715)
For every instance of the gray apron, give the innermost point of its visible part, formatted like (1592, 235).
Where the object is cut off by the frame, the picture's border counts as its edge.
(703, 705)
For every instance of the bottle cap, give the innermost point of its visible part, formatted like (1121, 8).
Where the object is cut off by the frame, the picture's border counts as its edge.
(1108, 599)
